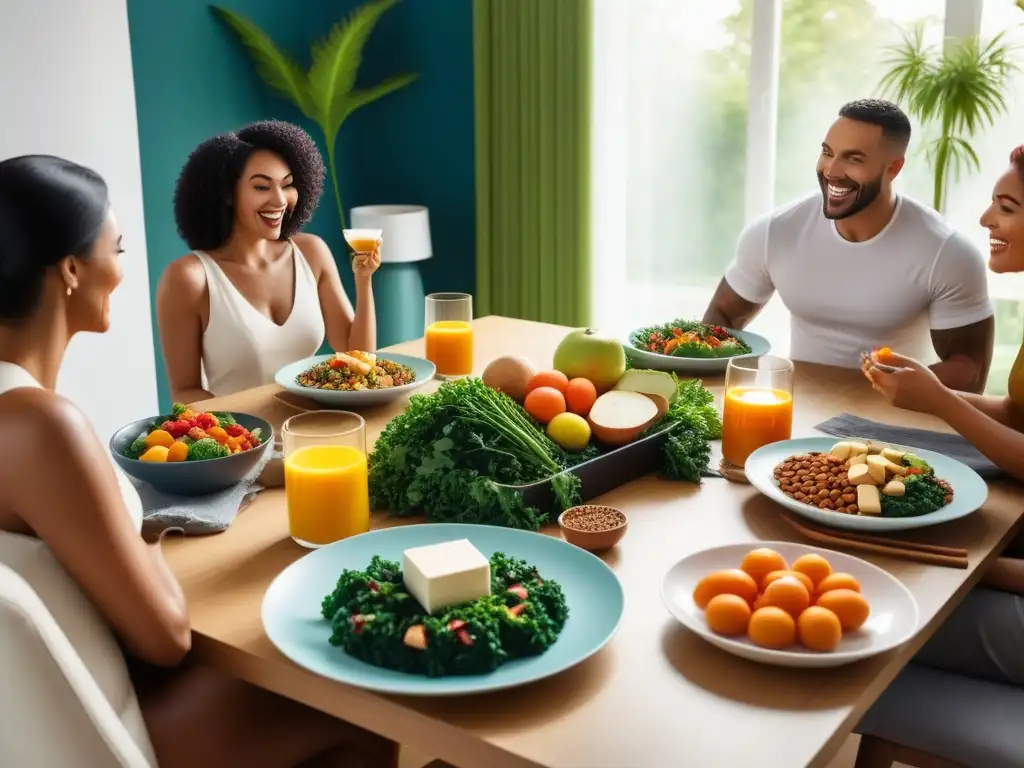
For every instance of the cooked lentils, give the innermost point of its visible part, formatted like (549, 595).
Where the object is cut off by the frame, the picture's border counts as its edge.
(819, 480)
(593, 518)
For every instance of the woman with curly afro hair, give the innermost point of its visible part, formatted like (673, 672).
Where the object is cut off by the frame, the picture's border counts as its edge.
(255, 293)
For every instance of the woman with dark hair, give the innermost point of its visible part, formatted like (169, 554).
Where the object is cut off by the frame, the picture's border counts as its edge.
(70, 521)
(944, 702)
(255, 293)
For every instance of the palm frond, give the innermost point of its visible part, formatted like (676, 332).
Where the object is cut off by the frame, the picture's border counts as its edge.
(336, 60)
(363, 96)
(959, 90)
(272, 64)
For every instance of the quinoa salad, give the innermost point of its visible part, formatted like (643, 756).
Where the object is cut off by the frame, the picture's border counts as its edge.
(355, 371)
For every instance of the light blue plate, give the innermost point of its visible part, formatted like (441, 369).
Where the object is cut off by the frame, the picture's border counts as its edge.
(292, 620)
(695, 366)
(969, 490)
(285, 379)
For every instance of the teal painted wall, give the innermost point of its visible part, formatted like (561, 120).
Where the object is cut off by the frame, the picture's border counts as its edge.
(415, 146)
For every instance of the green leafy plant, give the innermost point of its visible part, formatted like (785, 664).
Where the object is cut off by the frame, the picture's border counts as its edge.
(958, 89)
(326, 93)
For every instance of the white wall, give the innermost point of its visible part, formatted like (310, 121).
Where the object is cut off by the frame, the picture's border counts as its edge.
(66, 89)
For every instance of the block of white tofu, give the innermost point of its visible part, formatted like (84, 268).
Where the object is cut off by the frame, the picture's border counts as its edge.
(445, 574)
(859, 474)
(841, 450)
(869, 501)
(860, 458)
(878, 467)
(857, 448)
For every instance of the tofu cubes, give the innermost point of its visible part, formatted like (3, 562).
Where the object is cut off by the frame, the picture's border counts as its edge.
(446, 574)
(874, 469)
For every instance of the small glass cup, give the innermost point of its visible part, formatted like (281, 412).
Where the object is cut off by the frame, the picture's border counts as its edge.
(362, 242)
(449, 334)
(758, 407)
(326, 480)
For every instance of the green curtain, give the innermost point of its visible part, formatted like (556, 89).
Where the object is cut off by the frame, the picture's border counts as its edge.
(532, 99)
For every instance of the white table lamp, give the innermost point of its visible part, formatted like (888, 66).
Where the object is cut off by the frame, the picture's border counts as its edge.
(406, 230)
(398, 287)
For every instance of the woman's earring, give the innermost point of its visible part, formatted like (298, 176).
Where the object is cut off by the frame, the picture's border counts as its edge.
(69, 290)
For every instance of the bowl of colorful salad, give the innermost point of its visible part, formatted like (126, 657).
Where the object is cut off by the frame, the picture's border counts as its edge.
(190, 452)
(688, 346)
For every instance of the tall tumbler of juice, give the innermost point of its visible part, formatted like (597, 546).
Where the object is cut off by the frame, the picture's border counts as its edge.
(758, 407)
(325, 477)
(449, 333)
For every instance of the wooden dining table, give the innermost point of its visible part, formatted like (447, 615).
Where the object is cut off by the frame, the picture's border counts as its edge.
(656, 695)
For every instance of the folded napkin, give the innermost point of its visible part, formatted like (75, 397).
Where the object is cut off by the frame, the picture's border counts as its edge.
(196, 515)
(947, 443)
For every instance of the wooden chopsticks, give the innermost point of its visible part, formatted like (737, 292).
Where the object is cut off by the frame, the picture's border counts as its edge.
(930, 554)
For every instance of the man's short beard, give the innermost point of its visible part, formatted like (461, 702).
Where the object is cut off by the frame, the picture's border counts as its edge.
(865, 196)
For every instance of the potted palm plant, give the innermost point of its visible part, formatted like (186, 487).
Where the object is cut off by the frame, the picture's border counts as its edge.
(326, 93)
(956, 91)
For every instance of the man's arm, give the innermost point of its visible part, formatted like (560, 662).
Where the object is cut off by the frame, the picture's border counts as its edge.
(747, 285)
(729, 309)
(961, 317)
(965, 354)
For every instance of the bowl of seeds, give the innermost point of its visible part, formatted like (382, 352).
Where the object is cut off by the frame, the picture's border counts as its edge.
(592, 527)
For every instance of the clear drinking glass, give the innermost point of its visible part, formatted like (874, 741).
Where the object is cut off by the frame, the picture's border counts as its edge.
(449, 333)
(325, 477)
(758, 407)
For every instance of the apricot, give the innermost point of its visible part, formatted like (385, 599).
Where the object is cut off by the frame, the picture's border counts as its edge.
(772, 627)
(814, 566)
(788, 594)
(158, 453)
(838, 581)
(177, 452)
(819, 629)
(554, 379)
(728, 615)
(544, 403)
(159, 437)
(760, 562)
(580, 396)
(850, 607)
(218, 434)
(731, 582)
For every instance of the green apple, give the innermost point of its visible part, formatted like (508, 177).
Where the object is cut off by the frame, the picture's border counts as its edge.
(589, 354)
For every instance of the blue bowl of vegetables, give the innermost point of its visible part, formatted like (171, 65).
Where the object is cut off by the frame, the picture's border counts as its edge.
(191, 452)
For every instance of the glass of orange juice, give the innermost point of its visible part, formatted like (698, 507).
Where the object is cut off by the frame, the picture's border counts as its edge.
(758, 407)
(325, 476)
(449, 333)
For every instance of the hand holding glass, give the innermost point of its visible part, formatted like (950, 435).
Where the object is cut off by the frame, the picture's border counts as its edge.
(325, 477)
(758, 407)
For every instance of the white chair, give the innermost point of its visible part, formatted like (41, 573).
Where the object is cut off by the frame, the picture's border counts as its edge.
(66, 698)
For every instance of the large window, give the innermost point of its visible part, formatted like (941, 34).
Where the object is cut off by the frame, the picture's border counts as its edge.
(677, 173)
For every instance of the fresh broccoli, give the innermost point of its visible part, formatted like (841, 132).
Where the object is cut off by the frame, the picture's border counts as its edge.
(136, 449)
(921, 496)
(916, 462)
(225, 419)
(178, 409)
(207, 448)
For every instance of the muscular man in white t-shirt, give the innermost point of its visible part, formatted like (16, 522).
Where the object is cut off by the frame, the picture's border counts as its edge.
(859, 266)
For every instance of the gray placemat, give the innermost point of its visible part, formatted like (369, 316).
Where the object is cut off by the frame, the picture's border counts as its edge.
(196, 515)
(947, 443)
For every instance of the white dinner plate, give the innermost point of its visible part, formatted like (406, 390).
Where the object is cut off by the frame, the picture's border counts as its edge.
(893, 619)
(970, 491)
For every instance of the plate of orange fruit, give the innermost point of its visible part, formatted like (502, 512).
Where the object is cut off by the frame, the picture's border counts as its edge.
(790, 604)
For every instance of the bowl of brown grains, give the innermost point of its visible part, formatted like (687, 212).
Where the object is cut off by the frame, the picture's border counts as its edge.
(592, 527)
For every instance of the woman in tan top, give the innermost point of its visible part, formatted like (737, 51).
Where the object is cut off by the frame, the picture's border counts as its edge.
(255, 293)
(60, 260)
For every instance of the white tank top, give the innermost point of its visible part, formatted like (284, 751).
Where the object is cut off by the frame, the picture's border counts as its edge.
(242, 347)
(74, 612)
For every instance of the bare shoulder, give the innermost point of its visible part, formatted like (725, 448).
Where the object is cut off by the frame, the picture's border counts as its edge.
(184, 278)
(39, 418)
(317, 253)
